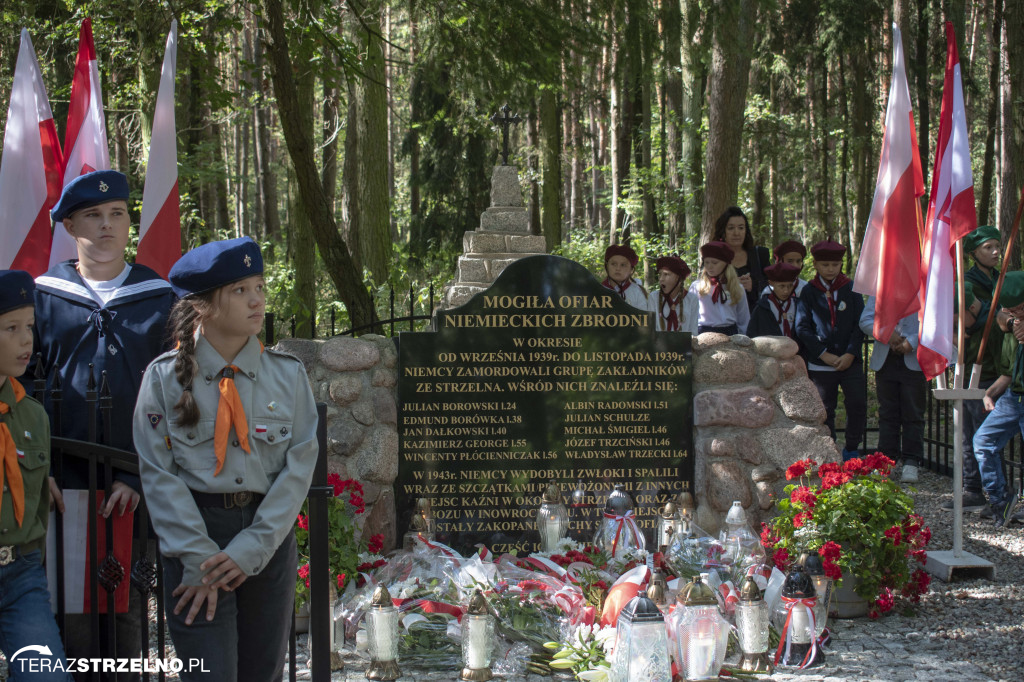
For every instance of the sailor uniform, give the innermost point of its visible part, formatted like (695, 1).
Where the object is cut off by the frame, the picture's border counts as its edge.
(120, 337)
(685, 310)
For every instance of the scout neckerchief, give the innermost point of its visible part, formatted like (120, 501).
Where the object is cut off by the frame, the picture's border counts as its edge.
(229, 413)
(829, 289)
(717, 292)
(670, 320)
(620, 289)
(10, 454)
(782, 307)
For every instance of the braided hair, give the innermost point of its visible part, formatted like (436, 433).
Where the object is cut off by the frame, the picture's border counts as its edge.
(185, 316)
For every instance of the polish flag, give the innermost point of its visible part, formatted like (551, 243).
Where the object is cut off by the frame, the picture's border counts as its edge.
(85, 140)
(890, 258)
(622, 592)
(30, 169)
(951, 215)
(160, 230)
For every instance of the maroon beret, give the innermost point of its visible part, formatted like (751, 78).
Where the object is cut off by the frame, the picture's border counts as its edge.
(790, 246)
(782, 272)
(719, 250)
(828, 250)
(621, 250)
(673, 264)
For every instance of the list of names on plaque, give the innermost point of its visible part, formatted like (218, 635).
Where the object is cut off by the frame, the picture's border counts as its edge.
(545, 376)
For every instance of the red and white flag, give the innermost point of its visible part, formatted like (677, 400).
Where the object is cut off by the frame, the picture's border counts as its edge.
(85, 140)
(951, 215)
(160, 229)
(890, 258)
(622, 592)
(30, 169)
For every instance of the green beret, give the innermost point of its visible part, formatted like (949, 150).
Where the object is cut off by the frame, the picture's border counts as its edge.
(979, 236)
(1013, 289)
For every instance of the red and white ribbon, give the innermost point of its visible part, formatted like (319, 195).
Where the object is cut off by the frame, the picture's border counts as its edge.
(627, 521)
(545, 565)
(786, 636)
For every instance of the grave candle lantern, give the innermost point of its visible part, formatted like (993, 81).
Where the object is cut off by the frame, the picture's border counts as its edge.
(477, 640)
(641, 647)
(421, 525)
(658, 590)
(382, 636)
(752, 624)
(618, 533)
(701, 634)
(552, 519)
(812, 563)
(668, 520)
(798, 641)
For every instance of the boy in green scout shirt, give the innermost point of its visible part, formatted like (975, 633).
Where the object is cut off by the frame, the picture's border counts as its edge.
(26, 622)
(984, 246)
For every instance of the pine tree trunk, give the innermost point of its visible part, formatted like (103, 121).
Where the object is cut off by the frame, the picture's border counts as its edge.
(992, 115)
(1012, 146)
(727, 85)
(696, 39)
(672, 19)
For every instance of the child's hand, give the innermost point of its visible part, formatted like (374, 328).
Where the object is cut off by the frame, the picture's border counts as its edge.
(989, 403)
(56, 497)
(197, 594)
(223, 574)
(747, 282)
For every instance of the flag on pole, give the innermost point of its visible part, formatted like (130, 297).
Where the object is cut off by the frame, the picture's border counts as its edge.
(30, 169)
(890, 257)
(85, 140)
(160, 229)
(951, 215)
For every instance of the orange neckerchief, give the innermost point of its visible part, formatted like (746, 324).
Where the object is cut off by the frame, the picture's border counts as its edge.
(9, 454)
(229, 413)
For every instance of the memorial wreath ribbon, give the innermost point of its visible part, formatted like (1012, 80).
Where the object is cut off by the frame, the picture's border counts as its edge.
(428, 606)
(784, 638)
(629, 522)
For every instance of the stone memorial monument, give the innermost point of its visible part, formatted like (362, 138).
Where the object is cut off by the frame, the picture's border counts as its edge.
(546, 375)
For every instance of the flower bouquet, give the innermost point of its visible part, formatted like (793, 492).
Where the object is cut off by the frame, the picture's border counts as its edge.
(860, 522)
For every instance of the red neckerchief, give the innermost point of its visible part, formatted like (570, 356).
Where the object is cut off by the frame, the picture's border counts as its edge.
(783, 310)
(829, 290)
(620, 289)
(672, 319)
(717, 293)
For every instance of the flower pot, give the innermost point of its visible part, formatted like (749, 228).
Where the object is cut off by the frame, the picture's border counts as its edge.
(302, 619)
(846, 603)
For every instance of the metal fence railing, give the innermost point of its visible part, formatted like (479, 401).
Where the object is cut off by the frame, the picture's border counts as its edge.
(392, 315)
(144, 570)
(938, 434)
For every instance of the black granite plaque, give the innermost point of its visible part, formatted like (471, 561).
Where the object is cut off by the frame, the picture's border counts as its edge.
(545, 375)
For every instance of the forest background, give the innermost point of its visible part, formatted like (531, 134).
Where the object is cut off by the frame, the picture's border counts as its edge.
(352, 138)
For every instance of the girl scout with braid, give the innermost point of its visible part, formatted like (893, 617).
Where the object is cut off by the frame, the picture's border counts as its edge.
(226, 434)
(25, 617)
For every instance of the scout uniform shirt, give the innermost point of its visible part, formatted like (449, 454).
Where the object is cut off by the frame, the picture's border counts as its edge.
(686, 310)
(766, 318)
(633, 293)
(982, 287)
(30, 430)
(173, 460)
(814, 323)
(121, 336)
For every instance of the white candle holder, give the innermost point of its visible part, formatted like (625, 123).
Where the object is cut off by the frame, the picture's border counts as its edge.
(382, 635)
(477, 640)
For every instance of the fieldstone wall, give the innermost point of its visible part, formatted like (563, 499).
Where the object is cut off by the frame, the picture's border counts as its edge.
(357, 378)
(755, 413)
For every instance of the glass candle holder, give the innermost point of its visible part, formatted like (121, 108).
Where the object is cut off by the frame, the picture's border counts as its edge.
(477, 640)
(382, 636)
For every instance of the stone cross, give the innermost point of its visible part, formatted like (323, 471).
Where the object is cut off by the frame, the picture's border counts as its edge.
(505, 121)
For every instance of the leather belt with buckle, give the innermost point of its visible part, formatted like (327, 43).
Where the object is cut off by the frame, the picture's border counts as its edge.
(8, 553)
(237, 500)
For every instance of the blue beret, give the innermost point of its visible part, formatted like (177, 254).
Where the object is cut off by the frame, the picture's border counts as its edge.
(16, 290)
(213, 265)
(91, 189)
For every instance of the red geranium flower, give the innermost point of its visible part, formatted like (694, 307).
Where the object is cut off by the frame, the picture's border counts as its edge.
(877, 461)
(801, 518)
(303, 522)
(781, 558)
(798, 469)
(304, 571)
(855, 466)
(341, 581)
(376, 543)
(830, 551)
(829, 468)
(834, 480)
(804, 496)
(895, 535)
